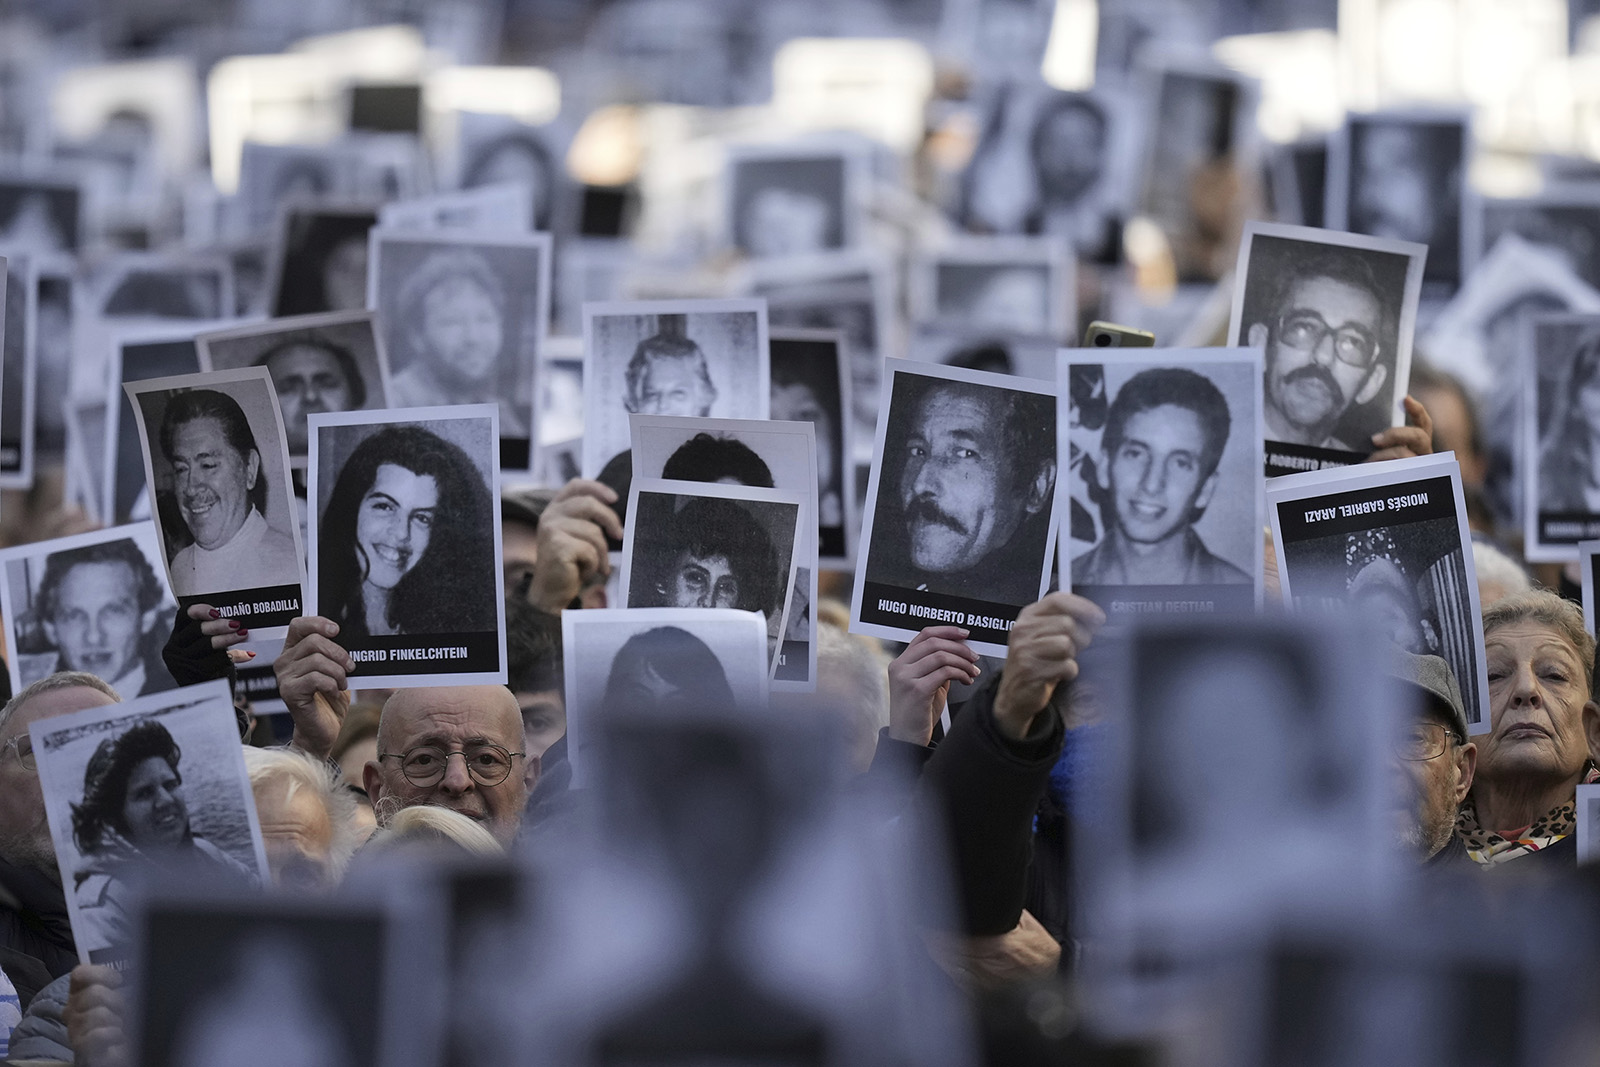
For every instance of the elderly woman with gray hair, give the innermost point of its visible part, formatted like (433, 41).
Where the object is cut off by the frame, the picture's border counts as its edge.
(1544, 725)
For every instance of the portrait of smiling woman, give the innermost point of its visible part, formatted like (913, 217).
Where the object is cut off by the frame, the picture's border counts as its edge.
(406, 543)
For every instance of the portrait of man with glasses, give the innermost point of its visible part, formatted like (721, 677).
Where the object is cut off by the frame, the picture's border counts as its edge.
(1334, 314)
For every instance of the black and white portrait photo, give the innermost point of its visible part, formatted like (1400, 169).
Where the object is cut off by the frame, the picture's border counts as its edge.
(960, 520)
(40, 215)
(754, 452)
(791, 200)
(319, 261)
(1588, 808)
(1402, 175)
(1565, 221)
(227, 976)
(463, 320)
(705, 358)
(1049, 163)
(998, 40)
(1392, 547)
(690, 545)
(504, 207)
(95, 602)
(218, 473)
(151, 788)
(136, 355)
(1166, 456)
(52, 356)
(1336, 314)
(1008, 285)
(494, 152)
(662, 661)
(1198, 139)
(405, 543)
(811, 383)
(318, 363)
(1561, 436)
(19, 342)
(851, 292)
(273, 175)
(1589, 568)
(153, 285)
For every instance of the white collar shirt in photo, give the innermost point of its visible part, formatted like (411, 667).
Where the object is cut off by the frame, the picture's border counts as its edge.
(255, 557)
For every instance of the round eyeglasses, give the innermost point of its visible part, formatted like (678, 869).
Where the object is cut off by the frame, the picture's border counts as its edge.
(1305, 330)
(487, 762)
(23, 745)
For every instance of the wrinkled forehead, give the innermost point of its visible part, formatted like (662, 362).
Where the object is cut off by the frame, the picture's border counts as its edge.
(1339, 302)
(662, 369)
(955, 409)
(454, 714)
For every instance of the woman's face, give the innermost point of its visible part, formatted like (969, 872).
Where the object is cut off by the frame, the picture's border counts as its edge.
(395, 522)
(1536, 697)
(462, 330)
(154, 810)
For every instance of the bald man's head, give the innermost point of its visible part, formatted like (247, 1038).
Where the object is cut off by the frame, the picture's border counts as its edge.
(455, 742)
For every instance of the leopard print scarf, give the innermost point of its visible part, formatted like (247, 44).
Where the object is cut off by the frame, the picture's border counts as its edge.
(1490, 849)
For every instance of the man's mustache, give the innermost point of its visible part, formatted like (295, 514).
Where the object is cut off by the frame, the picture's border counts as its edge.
(199, 498)
(1319, 372)
(925, 509)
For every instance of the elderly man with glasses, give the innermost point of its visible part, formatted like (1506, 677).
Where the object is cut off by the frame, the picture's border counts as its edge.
(1436, 761)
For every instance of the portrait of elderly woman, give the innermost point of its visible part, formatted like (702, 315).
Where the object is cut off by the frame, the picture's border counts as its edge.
(1544, 724)
(463, 322)
(406, 541)
(133, 821)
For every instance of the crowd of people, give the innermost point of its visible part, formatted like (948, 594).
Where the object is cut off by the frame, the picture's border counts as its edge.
(907, 863)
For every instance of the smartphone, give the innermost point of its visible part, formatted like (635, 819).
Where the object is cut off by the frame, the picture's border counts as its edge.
(1110, 335)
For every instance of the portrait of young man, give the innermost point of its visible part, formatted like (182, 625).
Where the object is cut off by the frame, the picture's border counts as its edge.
(1335, 315)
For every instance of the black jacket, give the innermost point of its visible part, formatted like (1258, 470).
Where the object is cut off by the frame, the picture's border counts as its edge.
(36, 945)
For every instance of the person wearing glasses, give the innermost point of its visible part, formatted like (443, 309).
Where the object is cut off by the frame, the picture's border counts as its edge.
(1437, 761)
(1164, 436)
(1329, 341)
(459, 748)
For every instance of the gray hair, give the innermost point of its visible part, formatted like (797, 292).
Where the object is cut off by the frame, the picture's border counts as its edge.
(429, 825)
(1544, 608)
(1495, 568)
(271, 766)
(49, 684)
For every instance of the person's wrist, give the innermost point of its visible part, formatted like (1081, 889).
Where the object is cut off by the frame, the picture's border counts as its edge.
(912, 735)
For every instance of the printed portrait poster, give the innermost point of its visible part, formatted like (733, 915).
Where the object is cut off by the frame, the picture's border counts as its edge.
(657, 660)
(811, 383)
(711, 545)
(997, 284)
(1388, 542)
(218, 473)
(1561, 428)
(1336, 314)
(464, 318)
(318, 363)
(1162, 497)
(404, 530)
(760, 453)
(702, 358)
(150, 788)
(332, 972)
(19, 342)
(319, 259)
(1589, 559)
(1588, 824)
(792, 200)
(960, 523)
(96, 602)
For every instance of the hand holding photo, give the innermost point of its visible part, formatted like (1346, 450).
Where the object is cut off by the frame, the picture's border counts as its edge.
(218, 472)
(961, 504)
(147, 789)
(403, 514)
(1336, 314)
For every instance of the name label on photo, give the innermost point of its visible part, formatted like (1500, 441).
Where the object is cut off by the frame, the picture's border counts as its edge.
(469, 653)
(1568, 528)
(913, 609)
(1285, 458)
(1123, 602)
(1366, 509)
(276, 605)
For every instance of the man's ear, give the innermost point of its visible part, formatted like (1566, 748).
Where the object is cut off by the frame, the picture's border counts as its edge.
(1203, 497)
(1466, 767)
(1044, 480)
(252, 468)
(1374, 382)
(1256, 336)
(372, 781)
